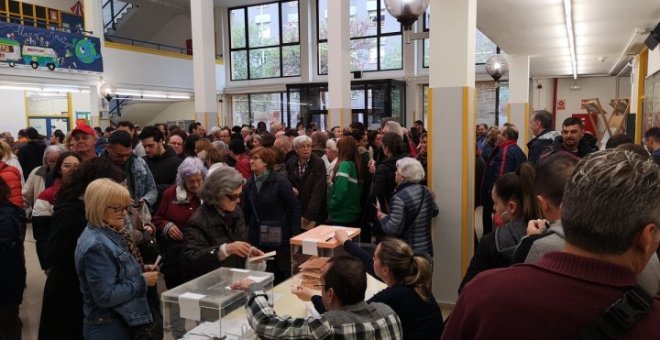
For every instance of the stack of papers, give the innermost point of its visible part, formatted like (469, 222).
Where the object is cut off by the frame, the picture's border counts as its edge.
(310, 271)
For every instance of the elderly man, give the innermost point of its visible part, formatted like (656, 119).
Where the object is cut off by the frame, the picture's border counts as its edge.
(308, 176)
(275, 128)
(348, 316)
(84, 141)
(589, 290)
(541, 126)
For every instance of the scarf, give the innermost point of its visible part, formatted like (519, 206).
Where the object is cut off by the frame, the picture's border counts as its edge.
(132, 247)
(260, 179)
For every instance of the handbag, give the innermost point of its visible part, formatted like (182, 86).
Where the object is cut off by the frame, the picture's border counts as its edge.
(270, 231)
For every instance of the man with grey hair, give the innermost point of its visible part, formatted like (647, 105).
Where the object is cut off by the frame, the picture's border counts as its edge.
(611, 214)
(307, 175)
(541, 126)
(275, 128)
(330, 157)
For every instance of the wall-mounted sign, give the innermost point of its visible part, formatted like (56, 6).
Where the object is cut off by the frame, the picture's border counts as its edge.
(39, 47)
(561, 104)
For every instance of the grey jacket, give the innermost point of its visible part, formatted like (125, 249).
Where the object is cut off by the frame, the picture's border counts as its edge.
(649, 278)
(403, 209)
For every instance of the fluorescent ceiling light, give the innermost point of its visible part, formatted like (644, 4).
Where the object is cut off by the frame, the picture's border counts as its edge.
(20, 88)
(61, 89)
(171, 96)
(154, 95)
(570, 33)
(122, 93)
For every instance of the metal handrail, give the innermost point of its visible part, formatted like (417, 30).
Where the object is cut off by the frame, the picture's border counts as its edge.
(114, 15)
(157, 46)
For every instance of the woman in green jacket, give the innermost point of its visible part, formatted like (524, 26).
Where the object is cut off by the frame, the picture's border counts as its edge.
(344, 199)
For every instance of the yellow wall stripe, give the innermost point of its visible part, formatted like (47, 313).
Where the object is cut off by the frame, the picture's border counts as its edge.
(641, 75)
(107, 44)
(467, 133)
(429, 138)
(508, 113)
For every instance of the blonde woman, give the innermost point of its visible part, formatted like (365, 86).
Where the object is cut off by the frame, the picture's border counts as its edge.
(113, 280)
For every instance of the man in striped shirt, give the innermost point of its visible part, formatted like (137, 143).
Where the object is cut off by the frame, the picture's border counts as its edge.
(348, 316)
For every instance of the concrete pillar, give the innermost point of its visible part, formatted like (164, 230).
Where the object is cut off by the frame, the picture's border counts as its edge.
(93, 14)
(94, 105)
(203, 35)
(339, 67)
(451, 126)
(518, 107)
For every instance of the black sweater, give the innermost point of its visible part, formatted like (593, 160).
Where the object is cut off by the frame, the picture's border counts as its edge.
(420, 319)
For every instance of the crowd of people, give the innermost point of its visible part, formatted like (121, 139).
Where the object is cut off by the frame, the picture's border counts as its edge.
(105, 203)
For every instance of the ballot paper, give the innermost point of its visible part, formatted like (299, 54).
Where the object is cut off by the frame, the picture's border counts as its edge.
(264, 256)
(189, 306)
(309, 246)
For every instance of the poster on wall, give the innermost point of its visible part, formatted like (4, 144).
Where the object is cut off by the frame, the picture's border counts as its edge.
(34, 47)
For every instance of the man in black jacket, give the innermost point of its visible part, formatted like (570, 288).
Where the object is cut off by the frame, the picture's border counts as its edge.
(31, 154)
(161, 159)
(572, 141)
(543, 135)
(308, 176)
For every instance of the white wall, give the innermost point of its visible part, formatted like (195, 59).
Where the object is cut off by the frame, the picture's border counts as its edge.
(603, 88)
(62, 5)
(149, 71)
(12, 111)
(175, 111)
(80, 102)
(175, 32)
(653, 61)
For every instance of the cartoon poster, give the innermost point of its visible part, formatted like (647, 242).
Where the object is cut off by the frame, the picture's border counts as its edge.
(38, 48)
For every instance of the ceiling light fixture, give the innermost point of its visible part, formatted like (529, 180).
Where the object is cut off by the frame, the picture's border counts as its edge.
(153, 95)
(570, 33)
(20, 88)
(171, 96)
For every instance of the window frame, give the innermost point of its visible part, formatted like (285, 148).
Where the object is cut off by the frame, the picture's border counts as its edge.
(379, 28)
(247, 49)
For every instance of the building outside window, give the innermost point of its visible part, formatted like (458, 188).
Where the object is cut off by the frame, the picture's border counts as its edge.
(264, 107)
(264, 41)
(376, 38)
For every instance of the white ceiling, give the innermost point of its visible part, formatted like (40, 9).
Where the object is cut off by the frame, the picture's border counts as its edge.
(604, 29)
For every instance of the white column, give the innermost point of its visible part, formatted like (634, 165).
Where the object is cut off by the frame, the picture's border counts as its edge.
(518, 108)
(206, 106)
(93, 14)
(94, 105)
(451, 143)
(339, 68)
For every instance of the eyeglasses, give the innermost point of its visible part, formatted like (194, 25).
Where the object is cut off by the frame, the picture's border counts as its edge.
(233, 197)
(119, 210)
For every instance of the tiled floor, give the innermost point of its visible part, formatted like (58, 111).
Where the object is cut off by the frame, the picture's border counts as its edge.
(31, 308)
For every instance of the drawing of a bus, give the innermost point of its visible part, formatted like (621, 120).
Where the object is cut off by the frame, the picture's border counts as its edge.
(10, 51)
(37, 56)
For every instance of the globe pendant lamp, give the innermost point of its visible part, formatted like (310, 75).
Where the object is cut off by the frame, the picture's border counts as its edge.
(497, 66)
(406, 11)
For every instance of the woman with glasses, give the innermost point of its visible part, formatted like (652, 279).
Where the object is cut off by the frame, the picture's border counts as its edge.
(177, 205)
(272, 211)
(113, 279)
(42, 211)
(216, 235)
(62, 306)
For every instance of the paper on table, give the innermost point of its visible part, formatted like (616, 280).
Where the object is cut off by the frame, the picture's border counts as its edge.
(264, 256)
(309, 247)
(189, 306)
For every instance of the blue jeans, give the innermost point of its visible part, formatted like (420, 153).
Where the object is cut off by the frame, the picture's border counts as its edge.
(106, 329)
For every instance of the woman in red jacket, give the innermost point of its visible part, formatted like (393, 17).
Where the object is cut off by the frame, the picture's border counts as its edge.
(178, 203)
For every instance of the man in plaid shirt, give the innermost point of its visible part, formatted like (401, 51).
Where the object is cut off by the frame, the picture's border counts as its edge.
(348, 316)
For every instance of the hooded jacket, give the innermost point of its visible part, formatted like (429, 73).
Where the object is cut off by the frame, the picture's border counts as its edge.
(538, 144)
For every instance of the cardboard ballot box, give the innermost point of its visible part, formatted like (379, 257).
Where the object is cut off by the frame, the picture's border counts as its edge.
(318, 242)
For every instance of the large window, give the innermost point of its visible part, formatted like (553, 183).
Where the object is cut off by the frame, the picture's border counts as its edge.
(484, 48)
(376, 40)
(264, 41)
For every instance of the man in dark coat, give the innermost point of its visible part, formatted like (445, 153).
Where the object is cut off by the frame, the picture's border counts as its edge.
(653, 143)
(31, 154)
(308, 176)
(543, 135)
(161, 159)
(572, 141)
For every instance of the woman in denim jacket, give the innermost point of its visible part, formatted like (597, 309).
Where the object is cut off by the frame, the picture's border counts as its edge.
(110, 269)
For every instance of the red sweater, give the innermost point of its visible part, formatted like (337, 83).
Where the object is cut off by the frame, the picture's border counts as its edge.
(551, 299)
(171, 210)
(12, 177)
(243, 166)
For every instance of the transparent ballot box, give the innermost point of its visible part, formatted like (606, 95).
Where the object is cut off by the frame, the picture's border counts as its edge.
(316, 245)
(205, 307)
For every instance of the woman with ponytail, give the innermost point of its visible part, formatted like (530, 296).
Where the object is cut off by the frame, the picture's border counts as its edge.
(515, 202)
(408, 279)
